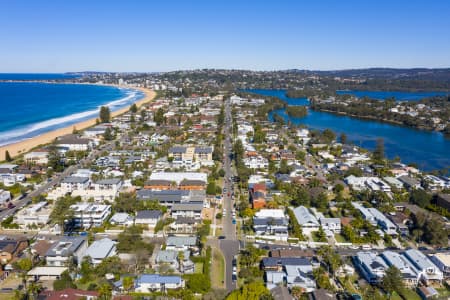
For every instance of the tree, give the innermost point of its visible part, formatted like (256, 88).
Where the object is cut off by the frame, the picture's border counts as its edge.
(108, 136)
(64, 282)
(420, 197)
(211, 188)
(321, 235)
(343, 138)
(159, 116)
(378, 153)
(392, 281)
(198, 283)
(7, 156)
(128, 283)
(250, 291)
(133, 108)
(105, 114)
(25, 264)
(328, 135)
(105, 292)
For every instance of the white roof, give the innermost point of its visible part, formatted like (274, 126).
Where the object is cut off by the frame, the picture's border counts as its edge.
(100, 249)
(270, 213)
(47, 271)
(179, 176)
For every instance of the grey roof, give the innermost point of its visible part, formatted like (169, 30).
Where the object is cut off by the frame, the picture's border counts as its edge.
(100, 249)
(148, 214)
(185, 220)
(177, 149)
(72, 140)
(303, 216)
(418, 259)
(162, 196)
(75, 179)
(179, 241)
(285, 261)
(408, 180)
(156, 278)
(166, 256)
(203, 150)
(187, 206)
(109, 181)
(66, 246)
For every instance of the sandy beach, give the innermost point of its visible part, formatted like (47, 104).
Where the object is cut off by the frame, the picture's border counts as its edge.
(46, 138)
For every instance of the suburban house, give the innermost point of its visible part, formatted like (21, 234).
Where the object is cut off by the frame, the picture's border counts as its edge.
(11, 249)
(428, 272)
(38, 157)
(171, 258)
(181, 243)
(87, 215)
(99, 250)
(146, 283)
(258, 195)
(184, 225)
(295, 271)
(67, 248)
(442, 261)
(148, 217)
(189, 210)
(409, 274)
(331, 224)
(72, 183)
(306, 219)
(36, 214)
(105, 189)
(178, 177)
(271, 222)
(5, 196)
(121, 219)
(73, 143)
(409, 182)
(371, 266)
(171, 197)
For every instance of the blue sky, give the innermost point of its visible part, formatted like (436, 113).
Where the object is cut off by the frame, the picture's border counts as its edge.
(127, 35)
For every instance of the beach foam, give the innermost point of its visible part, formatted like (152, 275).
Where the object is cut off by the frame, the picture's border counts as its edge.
(31, 130)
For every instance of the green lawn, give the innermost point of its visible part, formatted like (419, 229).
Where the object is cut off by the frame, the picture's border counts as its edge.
(340, 238)
(411, 295)
(198, 267)
(218, 269)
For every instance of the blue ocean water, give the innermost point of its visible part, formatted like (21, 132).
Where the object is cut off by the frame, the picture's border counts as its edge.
(32, 108)
(429, 150)
(36, 76)
(399, 96)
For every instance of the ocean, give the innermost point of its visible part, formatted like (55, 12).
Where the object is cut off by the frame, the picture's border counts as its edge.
(32, 108)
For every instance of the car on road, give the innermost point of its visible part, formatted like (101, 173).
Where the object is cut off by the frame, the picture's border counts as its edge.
(222, 237)
(234, 277)
(233, 221)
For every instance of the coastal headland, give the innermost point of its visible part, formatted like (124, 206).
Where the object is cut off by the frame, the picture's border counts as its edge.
(46, 138)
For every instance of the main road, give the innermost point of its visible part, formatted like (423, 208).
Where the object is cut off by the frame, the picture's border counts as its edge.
(229, 245)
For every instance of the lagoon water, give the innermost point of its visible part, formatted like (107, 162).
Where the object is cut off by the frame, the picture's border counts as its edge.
(429, 150)
(399, 96)
(32, 108)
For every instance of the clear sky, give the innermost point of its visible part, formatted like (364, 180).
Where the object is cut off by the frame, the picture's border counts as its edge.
(127, 35)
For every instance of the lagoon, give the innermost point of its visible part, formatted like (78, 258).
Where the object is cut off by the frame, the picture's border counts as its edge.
(429, 150)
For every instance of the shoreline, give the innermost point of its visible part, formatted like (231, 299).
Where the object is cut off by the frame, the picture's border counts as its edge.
(25, 146)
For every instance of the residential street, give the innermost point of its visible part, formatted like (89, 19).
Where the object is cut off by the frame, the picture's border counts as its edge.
(230, 245)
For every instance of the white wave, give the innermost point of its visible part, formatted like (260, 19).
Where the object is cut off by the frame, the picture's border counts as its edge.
(25, 132)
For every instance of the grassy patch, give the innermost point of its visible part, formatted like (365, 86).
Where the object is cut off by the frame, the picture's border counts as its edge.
(340, 238)
(410, 295)
(198, 267)
(218, 269)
